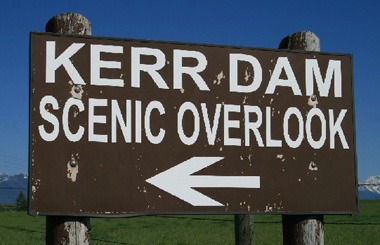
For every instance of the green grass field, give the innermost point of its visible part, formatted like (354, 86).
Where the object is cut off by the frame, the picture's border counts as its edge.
(19, 228)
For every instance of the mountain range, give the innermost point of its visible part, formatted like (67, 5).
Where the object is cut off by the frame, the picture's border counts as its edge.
(11, 185)
(370, 189)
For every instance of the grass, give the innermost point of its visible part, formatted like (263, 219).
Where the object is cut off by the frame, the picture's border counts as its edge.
(19, 228)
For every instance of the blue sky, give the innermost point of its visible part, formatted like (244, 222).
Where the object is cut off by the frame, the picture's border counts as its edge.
(343, 26)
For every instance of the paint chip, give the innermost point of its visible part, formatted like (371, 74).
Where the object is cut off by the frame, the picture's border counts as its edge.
(76, 91)
(313, 101)
(247, 75)
(73, 167)
(313, 166)
(219, 77)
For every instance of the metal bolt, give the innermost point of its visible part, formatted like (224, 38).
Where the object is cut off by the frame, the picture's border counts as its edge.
(77, 89)
(73, 163)
(313, 97)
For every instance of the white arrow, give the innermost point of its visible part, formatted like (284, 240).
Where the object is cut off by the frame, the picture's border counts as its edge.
(180, 182)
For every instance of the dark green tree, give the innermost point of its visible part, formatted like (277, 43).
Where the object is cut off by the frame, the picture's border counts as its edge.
(21, 202)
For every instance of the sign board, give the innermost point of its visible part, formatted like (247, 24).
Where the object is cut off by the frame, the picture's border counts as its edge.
(125, 127)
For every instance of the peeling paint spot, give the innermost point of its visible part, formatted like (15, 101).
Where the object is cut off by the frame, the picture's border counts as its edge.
(182, 90)
(313, 101)
(280, 156)
(247, 75)
(313, 166)
(73, 167)
(299, 180)
(245, 100)
(250, 157)
(268, 208)
(76, 90)
(219, 78)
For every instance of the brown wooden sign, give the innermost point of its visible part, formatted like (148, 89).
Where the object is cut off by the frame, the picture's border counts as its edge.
(127, 127)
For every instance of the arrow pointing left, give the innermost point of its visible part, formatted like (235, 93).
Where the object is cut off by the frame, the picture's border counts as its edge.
(179, 181)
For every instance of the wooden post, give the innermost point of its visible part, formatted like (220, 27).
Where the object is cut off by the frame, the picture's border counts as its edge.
(62, 229)
(244, 229)
(305, 40)
(67, 230)
(69, 23)
(302, 229)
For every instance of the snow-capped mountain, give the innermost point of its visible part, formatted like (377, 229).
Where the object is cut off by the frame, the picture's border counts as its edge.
(11, 185)
(370, 189)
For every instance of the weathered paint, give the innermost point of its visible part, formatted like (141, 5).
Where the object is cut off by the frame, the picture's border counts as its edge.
(73, 167)
(76, 91)
(312, 101)
(119, 170)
